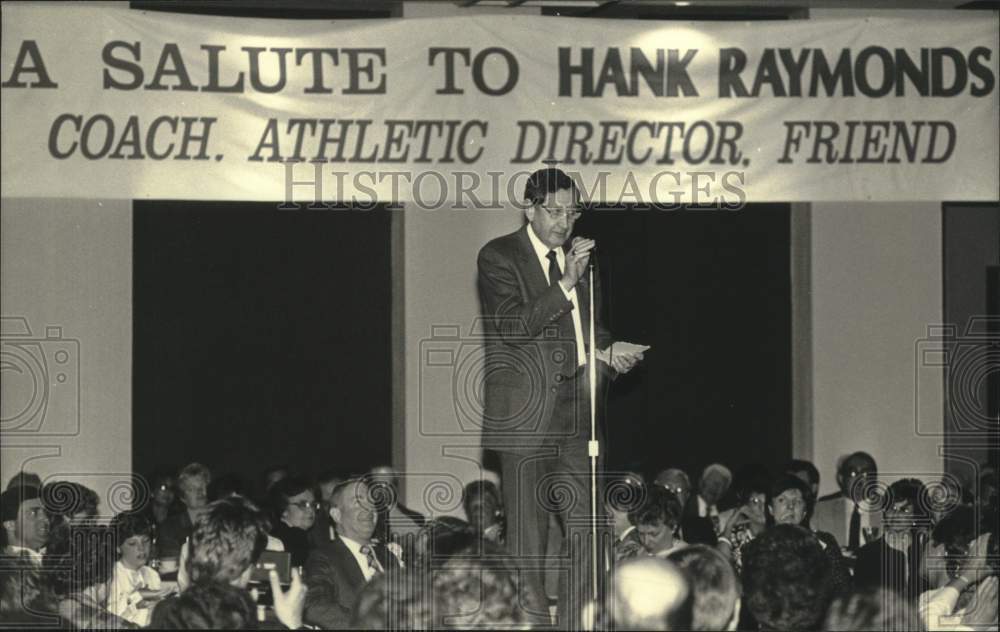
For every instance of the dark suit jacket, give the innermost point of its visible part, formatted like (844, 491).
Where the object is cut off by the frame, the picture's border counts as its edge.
(335, 580)
(880, 565)
(172, 533)
(295, 541)
(529, 341)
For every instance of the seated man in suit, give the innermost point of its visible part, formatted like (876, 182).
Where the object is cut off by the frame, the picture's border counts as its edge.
(193, 483)
(848, 514)
(337, 571)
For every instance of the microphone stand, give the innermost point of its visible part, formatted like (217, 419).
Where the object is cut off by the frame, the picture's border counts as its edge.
(593, 447)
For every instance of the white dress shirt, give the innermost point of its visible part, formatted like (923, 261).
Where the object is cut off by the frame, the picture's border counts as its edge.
(542, 251)
(355, 548)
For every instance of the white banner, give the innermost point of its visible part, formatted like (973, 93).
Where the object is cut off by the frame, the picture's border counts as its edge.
(116, 103)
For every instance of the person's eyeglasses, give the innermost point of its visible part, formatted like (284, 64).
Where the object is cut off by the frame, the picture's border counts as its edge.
(305, 504)
(559, 213)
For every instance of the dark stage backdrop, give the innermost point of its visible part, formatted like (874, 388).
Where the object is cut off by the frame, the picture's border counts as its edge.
(260, 336)
(710, 291)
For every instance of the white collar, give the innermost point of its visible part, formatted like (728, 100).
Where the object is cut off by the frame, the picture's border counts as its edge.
(541, 250)
(353, 545)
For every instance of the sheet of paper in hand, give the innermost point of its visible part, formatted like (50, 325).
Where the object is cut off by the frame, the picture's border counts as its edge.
(620, 348)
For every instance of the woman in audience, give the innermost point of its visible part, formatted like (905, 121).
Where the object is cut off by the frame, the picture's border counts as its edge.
(79, 574)
(193, 483)
(658, 522)
(164, 501)
(790, 501)
(483, 510)
(135, 586)
(748, 519)
(293, 508)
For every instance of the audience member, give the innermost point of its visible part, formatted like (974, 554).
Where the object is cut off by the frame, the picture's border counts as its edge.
(80, 573)
(207, 606)
(789, 501)
(192, 481)
(395, 520)
(715, 585)
(658, 522)
(293, 509)
(67, 503)
(807, 473)
(649, 594)
(695, 529)
(476, 589)
(25, 522)
(163, 501)
(388, 603)
(25, 599)
(338, 570)
(622, 496)
(851, 513)
(956, 570)
(786, 579)
(748, 518)
(712, 486)
(322, 530)
(483, 509)
(869, 611)
(26, 479)
(893, 560)
(134, 585)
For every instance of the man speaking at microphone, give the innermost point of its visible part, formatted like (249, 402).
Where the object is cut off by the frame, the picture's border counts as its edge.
(535, 295)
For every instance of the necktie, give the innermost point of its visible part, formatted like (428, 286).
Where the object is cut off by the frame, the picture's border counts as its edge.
(554, 273)
(854, 535)
(370, 556)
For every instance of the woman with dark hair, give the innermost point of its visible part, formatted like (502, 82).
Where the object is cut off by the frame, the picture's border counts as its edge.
(483, 510)
(293, 508)
(135, 586)
(790, 501)
(79, 575)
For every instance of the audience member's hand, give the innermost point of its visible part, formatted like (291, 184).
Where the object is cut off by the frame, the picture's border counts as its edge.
(288, 605)
(983, 611)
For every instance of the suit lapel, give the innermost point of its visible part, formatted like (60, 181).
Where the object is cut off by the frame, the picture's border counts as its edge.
(531, 270)
(349, 563)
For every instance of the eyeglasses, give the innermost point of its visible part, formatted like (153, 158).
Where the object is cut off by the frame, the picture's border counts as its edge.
(305, 504)
(559, 213)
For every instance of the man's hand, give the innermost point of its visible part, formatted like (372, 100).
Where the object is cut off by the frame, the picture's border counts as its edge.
(624, 362)
(576, 262)
(288, 606)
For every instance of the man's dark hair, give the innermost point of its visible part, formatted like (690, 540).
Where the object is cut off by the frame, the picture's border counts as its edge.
(545, 181)
(128, 524)
(12, 499)
(801, 465)
(714, 582)
(29, 479)
(64, 499)
(661, 505)
(86, 558)
(784, 483)
(206, 606)
(912, 490)
(227, 539)
(786, 579)
(857, 456)
(281, 493)
(479, 488)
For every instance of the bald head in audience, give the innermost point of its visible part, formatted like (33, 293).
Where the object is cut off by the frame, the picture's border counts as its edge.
(651, 594)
